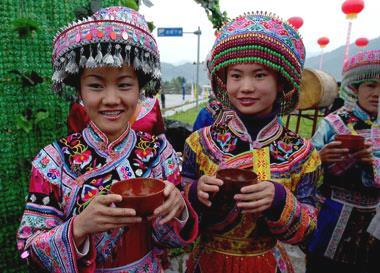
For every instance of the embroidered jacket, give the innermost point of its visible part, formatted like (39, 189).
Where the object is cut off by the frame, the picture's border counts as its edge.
(350, 191)
(230, 240)
(67, 174)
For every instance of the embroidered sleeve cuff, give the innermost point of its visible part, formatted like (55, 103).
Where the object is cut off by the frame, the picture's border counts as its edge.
(278, 204)
(84, 249)
(184, 217)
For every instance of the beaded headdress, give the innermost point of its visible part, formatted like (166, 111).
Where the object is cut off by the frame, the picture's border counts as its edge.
(364, 66)
(113, 36)
(260, 38)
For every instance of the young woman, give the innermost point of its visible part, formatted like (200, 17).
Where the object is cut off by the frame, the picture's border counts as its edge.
(350, 192)
(71, 223)
(256, 67)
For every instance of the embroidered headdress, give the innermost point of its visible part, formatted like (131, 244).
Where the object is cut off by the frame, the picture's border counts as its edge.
(364, 66)
(260, 38)
(113, 36)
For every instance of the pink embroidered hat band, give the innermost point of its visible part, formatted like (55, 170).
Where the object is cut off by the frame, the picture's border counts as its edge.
(113, 36)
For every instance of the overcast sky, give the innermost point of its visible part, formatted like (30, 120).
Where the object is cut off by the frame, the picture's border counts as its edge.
(321, 18)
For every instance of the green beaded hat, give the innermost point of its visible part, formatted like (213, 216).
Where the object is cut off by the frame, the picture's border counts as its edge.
(260, 38)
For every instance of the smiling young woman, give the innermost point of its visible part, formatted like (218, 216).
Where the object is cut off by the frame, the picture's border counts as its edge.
(71, 223)
(255, 67)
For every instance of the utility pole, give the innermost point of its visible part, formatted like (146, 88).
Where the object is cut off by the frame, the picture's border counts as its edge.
(198, 33)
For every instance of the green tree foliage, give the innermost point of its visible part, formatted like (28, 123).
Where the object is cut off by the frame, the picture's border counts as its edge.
(214, 14)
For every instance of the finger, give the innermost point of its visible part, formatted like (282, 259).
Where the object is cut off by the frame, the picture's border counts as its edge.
(169, 187)
(253, 204)
(210, 180)
(205, 202)
(339, 151)
(209, 188)
(108, 199)
(168, 217)
(119, 212)
(251, 188)
(247, 197)
(121, 220)
(169, 202)
(334, 143)
(203, 195)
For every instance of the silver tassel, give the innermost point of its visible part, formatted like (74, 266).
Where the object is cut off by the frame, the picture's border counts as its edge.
(117, 58)
(108, 59)
(90, 61)
(55, 77)
(137, 62)
(127, 59)
(99, 54)
(146, 63)
(83, 59)
(72, 66)
(156, 72)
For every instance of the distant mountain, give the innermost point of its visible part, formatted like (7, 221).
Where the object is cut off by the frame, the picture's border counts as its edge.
(333, 60)
(332, 64)
(187, 70)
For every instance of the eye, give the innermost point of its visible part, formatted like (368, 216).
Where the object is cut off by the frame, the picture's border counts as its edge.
(260, 75)
(235, 76)
(95, 86)
(371, 85)
(125, 85)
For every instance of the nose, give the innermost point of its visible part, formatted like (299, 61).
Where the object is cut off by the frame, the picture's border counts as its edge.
(247, 85)
(112, 96)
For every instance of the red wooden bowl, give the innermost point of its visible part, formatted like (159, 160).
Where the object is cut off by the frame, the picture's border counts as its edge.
(223, 201)
(352, 142)
(142, 194)
(234, 179)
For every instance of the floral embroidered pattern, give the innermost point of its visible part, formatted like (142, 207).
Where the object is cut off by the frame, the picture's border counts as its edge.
(79, 155)
(285, 146)
(224, 137)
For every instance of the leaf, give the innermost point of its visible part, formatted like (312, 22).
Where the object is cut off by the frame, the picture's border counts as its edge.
(151, 26)
(41, 116)
(23, 124)
(130, 4)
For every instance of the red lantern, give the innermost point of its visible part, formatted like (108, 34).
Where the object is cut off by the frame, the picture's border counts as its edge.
(296, 22)
(352, 7)
(323, 41)
(361, 42)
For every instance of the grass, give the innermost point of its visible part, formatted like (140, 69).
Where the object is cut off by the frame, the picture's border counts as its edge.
(188, 116)
(305, 128)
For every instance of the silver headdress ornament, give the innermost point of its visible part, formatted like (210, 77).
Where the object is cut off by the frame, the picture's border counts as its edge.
(113, 36)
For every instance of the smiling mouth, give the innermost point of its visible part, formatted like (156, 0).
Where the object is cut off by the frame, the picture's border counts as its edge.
(111, 113)
(247, 101)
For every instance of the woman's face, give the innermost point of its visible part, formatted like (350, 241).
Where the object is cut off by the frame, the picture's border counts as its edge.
(110, 96)
(368, 96)
(252, 88)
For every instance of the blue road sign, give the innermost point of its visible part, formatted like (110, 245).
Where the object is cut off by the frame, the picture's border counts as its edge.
(169, 31)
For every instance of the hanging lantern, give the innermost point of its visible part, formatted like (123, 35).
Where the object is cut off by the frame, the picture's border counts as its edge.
(361, 42)
(323, 41)
(296, 22)
(352, 8)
